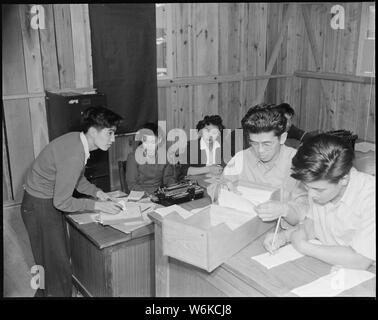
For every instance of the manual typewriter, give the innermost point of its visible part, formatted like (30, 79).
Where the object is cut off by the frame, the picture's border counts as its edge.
(183, 191)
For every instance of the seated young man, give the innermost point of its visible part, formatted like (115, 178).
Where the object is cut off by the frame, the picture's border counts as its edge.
(342, 210)
(143, 172)
(293, 132)
(267, 161)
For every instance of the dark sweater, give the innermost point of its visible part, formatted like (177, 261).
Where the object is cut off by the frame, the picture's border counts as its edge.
(57, 171)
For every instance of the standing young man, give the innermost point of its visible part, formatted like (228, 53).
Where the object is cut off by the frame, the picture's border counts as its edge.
(50, 182)
(342, 206)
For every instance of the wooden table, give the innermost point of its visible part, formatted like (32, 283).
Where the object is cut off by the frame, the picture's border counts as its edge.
(239, 275)
(109, 263)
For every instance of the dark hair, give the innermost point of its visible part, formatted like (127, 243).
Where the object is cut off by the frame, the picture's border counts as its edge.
(214, 120)
(322, 157)
(264, 118)
(100, 118)
(285, 108)
(148, 127)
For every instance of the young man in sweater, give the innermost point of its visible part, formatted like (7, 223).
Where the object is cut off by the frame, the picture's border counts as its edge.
(49, 185)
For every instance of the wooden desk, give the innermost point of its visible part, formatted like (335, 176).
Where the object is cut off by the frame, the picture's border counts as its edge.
(109, 263)
(240, 275)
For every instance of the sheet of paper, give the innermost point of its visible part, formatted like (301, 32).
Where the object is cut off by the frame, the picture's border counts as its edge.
(232, 200)
(135, 195)
(131, 213)
(116, 194)
(364, 146)
(281, 256)
(334, 283)
(212, 180)
(84, 218)
(254, 195)
(198, 209)
(232, 218)
(167, 210)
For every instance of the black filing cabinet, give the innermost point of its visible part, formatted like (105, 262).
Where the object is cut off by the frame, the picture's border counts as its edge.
(63, 111)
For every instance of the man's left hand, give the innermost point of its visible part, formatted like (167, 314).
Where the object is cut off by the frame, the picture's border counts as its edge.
(271, 210)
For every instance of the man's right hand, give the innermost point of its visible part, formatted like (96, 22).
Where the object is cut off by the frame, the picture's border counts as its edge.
(279, 241)
(108, 207)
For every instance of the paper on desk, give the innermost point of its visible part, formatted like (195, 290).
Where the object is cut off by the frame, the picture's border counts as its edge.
(364, 146)
(232, 200)
(232, 218)
(83, 218)
(130, 214)
(136, 195)
(281, 256)
(128, 227)
(174, 208)
(116, 194)
(334, 283)
(198, 209)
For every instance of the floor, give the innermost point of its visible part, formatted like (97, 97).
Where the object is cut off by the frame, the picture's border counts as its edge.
(18, 258)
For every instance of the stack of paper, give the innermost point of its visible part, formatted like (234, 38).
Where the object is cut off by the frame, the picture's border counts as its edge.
(131, 213)
(255, 195)
(128, 227)
(83, 218)
(135, 195)
(232, 200)
(232, 218)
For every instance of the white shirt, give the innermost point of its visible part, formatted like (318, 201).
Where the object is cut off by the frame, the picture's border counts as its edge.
(84, 141)
(350, 221)
(210, 155)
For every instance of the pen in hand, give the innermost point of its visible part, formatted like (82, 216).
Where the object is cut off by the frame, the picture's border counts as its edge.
(275, 232)
(279, 218)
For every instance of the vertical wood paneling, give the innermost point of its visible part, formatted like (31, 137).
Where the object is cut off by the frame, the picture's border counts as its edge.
(256, 52)
(13, 66)
(183, 30)
(81, 45)
(7, 190)
(49, 51)
(20, 142)
(38, 122)
(205, 59)
(32, 51)
(35, 60)
(63, 34)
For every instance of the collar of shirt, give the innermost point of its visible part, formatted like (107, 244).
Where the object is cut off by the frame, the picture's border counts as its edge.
(204, 146)
(84, 141)
(350, 191)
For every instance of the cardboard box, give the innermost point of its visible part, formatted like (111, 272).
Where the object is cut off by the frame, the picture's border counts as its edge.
(210, 237)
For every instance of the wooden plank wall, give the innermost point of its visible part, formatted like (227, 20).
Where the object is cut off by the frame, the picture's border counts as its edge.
(353, 103)
(56, 57)
(217, 51)
(237, 40)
